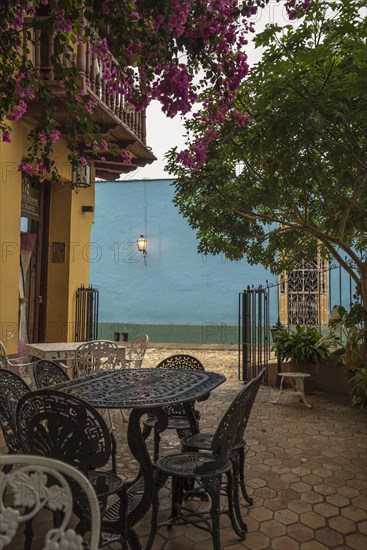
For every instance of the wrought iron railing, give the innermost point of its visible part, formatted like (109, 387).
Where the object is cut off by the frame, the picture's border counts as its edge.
(91, 72)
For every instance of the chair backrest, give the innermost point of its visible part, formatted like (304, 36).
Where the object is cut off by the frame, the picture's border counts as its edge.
(250, 400)
(12, 389)
(3, 357)
(229, 428)
(180, 361)
(54, 424)
(96, 355)
(137, 349)
(42, 483)
(17, 365)
(47, 373)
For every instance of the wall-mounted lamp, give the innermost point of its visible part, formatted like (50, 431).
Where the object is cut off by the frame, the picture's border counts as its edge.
(87, 208)
(142, 247)
(81, 175)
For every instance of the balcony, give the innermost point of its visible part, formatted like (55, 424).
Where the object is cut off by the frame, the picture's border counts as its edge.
(117, 120)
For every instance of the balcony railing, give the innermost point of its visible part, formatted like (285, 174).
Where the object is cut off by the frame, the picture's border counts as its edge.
(90, 69)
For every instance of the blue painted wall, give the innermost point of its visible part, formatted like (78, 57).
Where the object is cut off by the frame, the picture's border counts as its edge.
(179, 295)
(178, 287)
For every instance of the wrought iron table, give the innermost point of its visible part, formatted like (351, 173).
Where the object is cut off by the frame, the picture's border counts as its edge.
(144, 391)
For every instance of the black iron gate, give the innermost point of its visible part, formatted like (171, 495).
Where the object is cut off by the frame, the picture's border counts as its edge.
(86, 314)
(254, 332)
(305, 290)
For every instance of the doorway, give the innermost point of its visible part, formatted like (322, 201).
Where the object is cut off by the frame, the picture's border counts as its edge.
(34, 227)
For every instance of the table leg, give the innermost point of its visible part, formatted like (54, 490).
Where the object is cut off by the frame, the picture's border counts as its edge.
(140, 452)
(280, 391)
(300, 389)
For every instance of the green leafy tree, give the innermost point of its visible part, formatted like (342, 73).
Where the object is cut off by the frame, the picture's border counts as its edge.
(293, 176)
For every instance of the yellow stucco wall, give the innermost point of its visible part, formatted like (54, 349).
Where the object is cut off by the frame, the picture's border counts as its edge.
(68, 224)
(10, 196)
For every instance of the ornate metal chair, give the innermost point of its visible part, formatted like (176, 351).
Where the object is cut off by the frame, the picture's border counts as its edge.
(207, 469)
(203, 441)
(57, 425)
(137, 351)
(24, 369)
(96, 355)
(47, 373)
(42, 483)
(12, 388)
(177, 414)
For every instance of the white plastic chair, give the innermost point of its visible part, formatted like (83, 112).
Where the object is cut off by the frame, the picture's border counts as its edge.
(40, 483)
(25, 370)
(137, 351)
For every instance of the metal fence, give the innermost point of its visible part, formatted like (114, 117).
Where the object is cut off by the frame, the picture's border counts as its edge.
(86, 314)
(305, 289)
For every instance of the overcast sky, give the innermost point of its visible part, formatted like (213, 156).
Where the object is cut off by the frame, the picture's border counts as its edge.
(164, 133)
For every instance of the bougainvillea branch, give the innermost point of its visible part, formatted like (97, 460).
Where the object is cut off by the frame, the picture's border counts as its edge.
(184, 53)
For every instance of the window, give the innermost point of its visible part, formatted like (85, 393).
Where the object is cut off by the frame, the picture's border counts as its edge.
(303, 294)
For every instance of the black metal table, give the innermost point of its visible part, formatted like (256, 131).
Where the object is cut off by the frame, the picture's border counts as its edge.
(144, 391)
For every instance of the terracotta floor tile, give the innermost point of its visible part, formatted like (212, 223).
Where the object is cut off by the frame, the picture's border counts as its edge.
(272, 528)
(261, 514)
(354, 513)
(256, 541)
(311, 497)
(284, 543)
(286, 516)
(356, 541)
(326, 510)
(360, 501)
(312, 519)
(300, 506)
(347, 491)
(313, 545)
(342, 525)
(300, 532)
(329, 537)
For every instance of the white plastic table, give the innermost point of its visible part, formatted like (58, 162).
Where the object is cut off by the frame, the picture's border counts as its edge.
(298, 378)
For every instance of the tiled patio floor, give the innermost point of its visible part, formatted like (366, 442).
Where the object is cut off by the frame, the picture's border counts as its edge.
(305, 469)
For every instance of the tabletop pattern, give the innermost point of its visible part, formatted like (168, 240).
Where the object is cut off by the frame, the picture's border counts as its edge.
(143, 388)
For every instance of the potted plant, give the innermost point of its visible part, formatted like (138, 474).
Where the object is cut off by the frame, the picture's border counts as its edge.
(347, 339)
(302, 348)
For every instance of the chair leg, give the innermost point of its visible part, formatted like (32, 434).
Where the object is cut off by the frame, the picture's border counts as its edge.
(146, 431)
(241, 457)
(160, 480)
(234, 509)
(132, 540)
(125, 418)
(212, 486)
(157, 440)
(177, 497)
(113, 453)
(28, 535)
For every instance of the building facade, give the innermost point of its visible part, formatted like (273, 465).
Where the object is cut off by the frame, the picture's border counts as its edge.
(45, 227)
